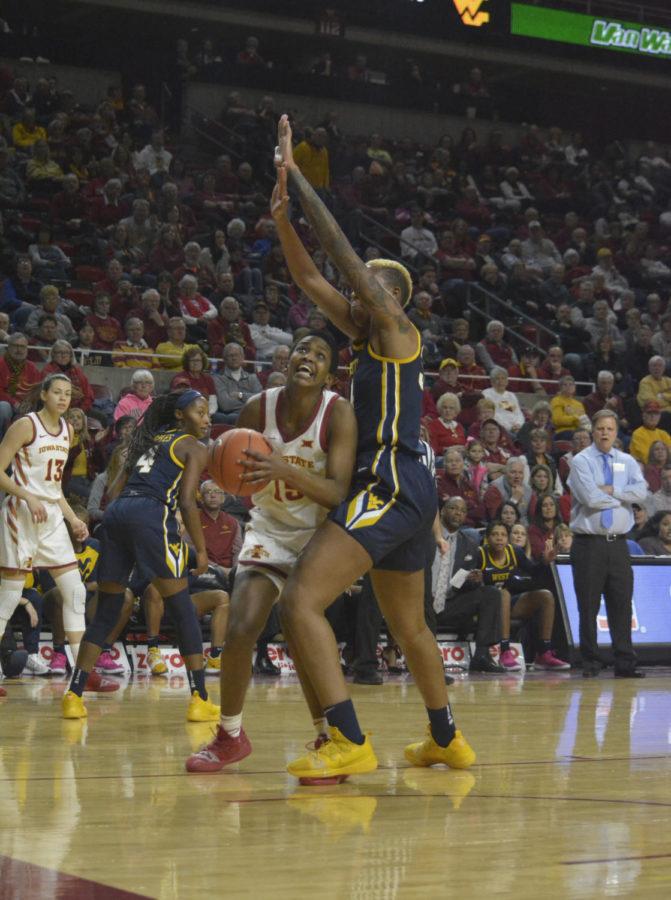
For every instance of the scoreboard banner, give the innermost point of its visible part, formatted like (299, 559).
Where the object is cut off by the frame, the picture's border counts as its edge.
(599, 32)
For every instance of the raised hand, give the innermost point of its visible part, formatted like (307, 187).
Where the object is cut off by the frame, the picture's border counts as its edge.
(279, 202)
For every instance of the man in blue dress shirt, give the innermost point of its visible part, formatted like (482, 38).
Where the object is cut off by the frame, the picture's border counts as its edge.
(604, 484)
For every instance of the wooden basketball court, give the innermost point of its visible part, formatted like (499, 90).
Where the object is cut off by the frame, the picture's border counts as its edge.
(570, 796)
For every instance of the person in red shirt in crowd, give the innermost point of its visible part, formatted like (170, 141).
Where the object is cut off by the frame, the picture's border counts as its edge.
(223, 538)
(492, 350)
(107, 329)
(448, 379)
(527, 368)
(496, 455)
(195, 309)
(68, 205)
(280, 365)
(445, 431)
(168, 254)
(552, 369)
(453, 481)
(149, 313)
(546, 517)
(107, 207)
(17, 376)
(110, 283)
(456, 339)
(538, 454)
(472, 377)
(604, 398)
(195, 375)
(453, 263)
(659, 456)
(229, 327)
(125, 298)
(61, 359)
(192, 265)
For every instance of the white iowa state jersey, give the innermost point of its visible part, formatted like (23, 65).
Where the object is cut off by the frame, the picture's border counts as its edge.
(308, 450)
(39, 465)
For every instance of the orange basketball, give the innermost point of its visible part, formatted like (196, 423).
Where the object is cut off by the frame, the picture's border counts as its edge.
(224, 456)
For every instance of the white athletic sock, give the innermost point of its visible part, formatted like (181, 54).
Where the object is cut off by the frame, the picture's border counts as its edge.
(74, 649)
(232, 724)
(321, 725)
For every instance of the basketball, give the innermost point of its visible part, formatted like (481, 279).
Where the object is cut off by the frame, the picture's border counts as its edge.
(224, 466)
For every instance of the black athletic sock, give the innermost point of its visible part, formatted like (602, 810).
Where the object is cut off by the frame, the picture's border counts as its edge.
(197, 682)
(107, 648)
(505, 645)
(215, 652)
(442, 725)
(343, 717)
(152, 642)
(545, 646)
(78, 681)
(59, 648)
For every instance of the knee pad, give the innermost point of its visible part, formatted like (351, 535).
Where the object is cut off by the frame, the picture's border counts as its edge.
(107, 615)
(10, 594)
(73, 593)
(182, 614)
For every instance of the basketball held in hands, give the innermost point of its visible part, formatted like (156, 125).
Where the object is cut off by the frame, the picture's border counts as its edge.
(225, 455)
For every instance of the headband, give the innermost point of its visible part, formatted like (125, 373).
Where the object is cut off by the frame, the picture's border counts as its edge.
(187, 398)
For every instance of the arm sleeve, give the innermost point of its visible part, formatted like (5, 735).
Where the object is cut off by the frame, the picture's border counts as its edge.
(636, 488)
(584, 489)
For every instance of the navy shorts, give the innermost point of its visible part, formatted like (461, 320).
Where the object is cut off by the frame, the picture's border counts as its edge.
(142, 533)
(392, 522)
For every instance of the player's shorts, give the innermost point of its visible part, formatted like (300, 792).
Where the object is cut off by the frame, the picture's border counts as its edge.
(272, 548)
(140, 532)
(394, 527)
(26, 545)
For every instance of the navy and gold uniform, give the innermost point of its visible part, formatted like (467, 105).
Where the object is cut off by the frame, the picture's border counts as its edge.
(393, 501)
(507, 573)
(139, 528)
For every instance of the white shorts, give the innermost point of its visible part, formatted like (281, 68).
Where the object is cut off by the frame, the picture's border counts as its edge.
(26, 545)
(272, 549)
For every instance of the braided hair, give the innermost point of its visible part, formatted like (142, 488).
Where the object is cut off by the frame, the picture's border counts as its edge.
(158, 416)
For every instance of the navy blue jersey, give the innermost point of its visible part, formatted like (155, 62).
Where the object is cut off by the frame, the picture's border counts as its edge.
(387, 398)
(515, 562)
(158, 472)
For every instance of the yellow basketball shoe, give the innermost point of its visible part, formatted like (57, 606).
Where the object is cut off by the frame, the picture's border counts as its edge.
(457, 755)
(73, 706)
(337, 756)
(202, 710)
(155, 661)
(213, 666)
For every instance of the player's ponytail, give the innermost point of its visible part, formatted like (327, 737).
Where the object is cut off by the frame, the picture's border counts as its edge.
(158, 416)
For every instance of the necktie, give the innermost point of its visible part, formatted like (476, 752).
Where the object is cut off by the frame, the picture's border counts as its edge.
(444, 575)
(607, 514)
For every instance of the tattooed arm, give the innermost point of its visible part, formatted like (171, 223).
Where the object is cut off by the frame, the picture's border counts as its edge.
(303, 270)
(392, 333)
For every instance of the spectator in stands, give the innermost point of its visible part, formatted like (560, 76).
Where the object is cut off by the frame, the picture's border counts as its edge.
(509, 514)
(43, 174)
(582, 438)
(140, 226)
(139, 398)
(568, 413)
(17, 376)
(604, 398)
(656, 388)
(418, 243)
(106, 328)
(526, 369)
(615, 283)
(12, 188)
(515, 193)
(222, 533)
(49, 261)
(61, 359)
(657, 539)
(447, 380)
(229, 327)
(539, 455)
(541, 418)
(446, 431)
(509, 487)
(472, 377)
(660, 501)
(648, 433)
(454, 481)
(312, 158)
(80, 467)
(507, 411)
(250, 56)
(539, 252)
(429, 325)
(51, 304)
(279, 366)
(659, 456)
(455, 608)
(547, 516)
(196, 310)
(601, 324)
(44, 339)
(234, 386)
(153, 319)
(266, 337)
(133, 352)
(107, 208)
(171, 352)
(492, 350)
(154, 157)
(26, 132)
(20, 292)
(496, 454)
(197, 263)
(195, 374)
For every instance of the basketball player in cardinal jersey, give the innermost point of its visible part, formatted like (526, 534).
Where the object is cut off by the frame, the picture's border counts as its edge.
(34, 511)
(313, 433)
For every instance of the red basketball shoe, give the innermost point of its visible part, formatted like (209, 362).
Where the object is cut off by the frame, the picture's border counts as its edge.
(96, 684)
(222, 751)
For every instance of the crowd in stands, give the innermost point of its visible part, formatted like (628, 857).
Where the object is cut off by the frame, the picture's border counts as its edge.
(121, 247)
